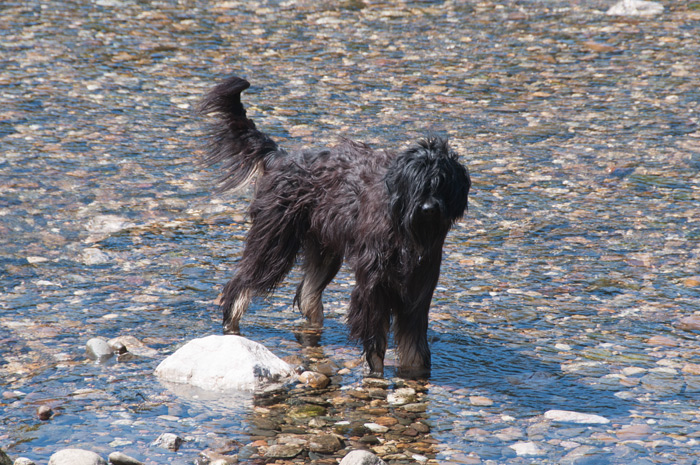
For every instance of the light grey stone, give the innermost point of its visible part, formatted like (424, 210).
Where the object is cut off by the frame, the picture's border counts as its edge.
(98, 349)
(168, 441)
(635, 8)
(361, 457)
(224, 363)
(23, 461)
(119, 458)
(575, 417)
(76, 457)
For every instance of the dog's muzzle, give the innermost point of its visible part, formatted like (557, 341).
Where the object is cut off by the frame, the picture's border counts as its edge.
(430, 208)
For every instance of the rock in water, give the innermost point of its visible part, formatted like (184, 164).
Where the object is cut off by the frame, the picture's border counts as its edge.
(98, 349)
(168, 441)
(223, 363)
(575, 417)
(118, 458)
(635, 8)
(361, 457)
(76, 457)
(4, 459)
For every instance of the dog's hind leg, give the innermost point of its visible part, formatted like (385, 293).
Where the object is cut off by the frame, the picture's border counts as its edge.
(235, 302)
(269, 254)
(319, 270)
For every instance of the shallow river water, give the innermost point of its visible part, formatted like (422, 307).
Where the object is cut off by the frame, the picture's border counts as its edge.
(573, 283)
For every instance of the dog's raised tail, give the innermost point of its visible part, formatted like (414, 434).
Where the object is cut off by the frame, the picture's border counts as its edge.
(233, 138)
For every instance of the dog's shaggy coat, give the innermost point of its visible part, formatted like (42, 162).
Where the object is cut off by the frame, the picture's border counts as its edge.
(386, 213)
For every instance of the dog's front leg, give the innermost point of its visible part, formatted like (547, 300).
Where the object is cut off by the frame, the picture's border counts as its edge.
(411, 317)
(369, 317)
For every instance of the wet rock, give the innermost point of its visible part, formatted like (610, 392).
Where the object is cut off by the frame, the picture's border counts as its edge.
(480, 401)
(634, 432)
(376, 428)
(635, 8)
(107, 224)
(509, 434)
(326, 367)
(568, 416)
(386, 421)
(94, 256)
(691, 368)
(415, 408)
(168, 441)
(663, 381)
(306, 411)
(131, 344)
(527, 449)
(215, 458)
(98, 349)
(21, 461)
(314, 379)
(690, 323)
(283, 451)
(401, 396)
(119, 458)
(662, 341)
(220, 363)
(361, 457)
(76, 457)
(4, 459)
(44, 412)
(325, 444)
(581, 455)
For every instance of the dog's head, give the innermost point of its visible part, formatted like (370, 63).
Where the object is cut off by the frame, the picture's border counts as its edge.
(428, 190)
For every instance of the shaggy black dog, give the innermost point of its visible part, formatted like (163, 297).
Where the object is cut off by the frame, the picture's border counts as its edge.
(386, 213)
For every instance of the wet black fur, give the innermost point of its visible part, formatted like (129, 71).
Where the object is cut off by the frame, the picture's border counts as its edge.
(384, 212)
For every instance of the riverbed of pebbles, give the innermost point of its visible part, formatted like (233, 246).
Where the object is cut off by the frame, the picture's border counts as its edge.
(565, 325)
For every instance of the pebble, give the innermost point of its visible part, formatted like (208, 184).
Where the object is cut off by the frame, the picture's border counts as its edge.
(282, 451)
(527, 449)
(361, 457)
(131, 344)
(94, 256)
(44, 412)
(480, 401)
(98, 349)
(690, 323)
(401, 396)
(76, 457)
(376, 428)
(119, 458)
(634, 432)
(168, 441)
(575, 417)
(314, 379)
(325, 444)
(21, 461)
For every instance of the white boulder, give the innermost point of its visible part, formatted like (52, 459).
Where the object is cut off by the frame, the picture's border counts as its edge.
(635, 8)
(76, 457)
(224, 363)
